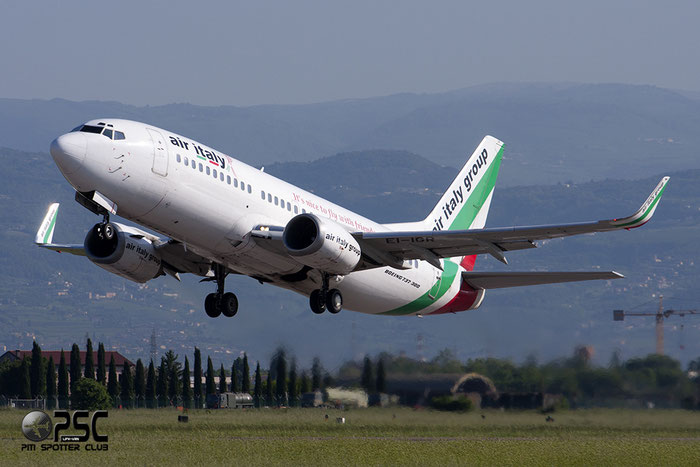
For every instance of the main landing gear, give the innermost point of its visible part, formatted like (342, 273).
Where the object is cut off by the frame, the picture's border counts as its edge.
(324, 299)
(220, 303)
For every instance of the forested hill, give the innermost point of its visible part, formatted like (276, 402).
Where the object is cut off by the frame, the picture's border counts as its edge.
(59, 298)
(553, 132)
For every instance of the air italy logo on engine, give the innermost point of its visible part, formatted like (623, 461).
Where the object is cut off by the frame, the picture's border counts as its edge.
(202, 153)
(37, 426)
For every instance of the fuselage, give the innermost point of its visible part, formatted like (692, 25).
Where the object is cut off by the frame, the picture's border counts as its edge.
(211, 202)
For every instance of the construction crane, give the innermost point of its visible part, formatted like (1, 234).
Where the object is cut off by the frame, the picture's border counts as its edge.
(660, 314)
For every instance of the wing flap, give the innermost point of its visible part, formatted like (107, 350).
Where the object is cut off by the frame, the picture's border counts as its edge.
(499, 280)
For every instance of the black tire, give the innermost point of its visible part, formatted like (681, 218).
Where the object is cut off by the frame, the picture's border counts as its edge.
(229, 305)
(317, 302)
(334, 301)
(108, 231)
(211, 306)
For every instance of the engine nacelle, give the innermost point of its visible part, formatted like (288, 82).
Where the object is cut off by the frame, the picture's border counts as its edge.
(321, 244)
(124, 251)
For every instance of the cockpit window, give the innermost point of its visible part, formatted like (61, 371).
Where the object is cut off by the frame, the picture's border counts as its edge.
(108, 132)
(91, 129)
(76, 128)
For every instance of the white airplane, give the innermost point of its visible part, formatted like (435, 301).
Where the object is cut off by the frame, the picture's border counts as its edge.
(221, 216)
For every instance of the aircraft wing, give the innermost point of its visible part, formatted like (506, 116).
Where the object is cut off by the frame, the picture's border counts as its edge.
(392, 248)
(499, 280)
(44, 235)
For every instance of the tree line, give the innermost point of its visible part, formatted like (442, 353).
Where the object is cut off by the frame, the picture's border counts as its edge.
(171, 383)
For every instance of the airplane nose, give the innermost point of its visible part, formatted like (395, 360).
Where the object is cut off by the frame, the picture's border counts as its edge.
(68, 151)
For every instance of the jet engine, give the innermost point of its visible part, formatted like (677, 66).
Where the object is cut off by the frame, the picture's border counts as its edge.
(321, 244)
(124, 251)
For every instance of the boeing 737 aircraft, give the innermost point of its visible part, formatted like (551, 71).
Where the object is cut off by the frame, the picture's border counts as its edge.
(220, 216)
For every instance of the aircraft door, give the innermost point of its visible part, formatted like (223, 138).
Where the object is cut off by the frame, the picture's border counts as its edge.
(432, 293)
(160, 153)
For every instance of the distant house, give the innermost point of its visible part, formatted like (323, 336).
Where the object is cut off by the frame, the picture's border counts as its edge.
(119, 359)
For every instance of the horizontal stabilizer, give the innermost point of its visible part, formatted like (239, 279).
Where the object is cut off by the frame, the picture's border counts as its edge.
(499, 280)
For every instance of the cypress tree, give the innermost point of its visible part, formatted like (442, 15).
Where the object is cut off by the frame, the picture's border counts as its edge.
(222, 380)
(62, 382)
(139, 383)
(197, 378)
(75, 367)
(162, 383)
(25, 387)
(381, 376)
(101, 364)
(51, 384)
(367, 381)
(38, 373)
(257, 391)
(235, 387)
(173, 384)
(281, 367)
(268, 389)
(151, 386)
(292, 386)
(305, 383)
(316, 375)
(211, 385)
(127, 386)
(245, 380)
(186, 389)
(89, 365)
(112, 383)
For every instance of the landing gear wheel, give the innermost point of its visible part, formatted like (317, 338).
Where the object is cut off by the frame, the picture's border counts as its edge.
(317, 302)
(334, 301)
(108, 231)
(212, 306)
(229, 304)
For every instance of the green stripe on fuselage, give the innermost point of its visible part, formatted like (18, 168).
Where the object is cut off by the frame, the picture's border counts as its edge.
(463, 220)
(448, 276)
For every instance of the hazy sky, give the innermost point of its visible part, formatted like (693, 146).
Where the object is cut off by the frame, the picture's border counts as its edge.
(243, 53)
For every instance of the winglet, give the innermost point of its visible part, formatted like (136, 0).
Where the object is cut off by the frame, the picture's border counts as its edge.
(645, 212)
(45, 233)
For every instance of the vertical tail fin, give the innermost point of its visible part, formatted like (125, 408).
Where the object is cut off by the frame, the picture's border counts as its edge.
(465, 204)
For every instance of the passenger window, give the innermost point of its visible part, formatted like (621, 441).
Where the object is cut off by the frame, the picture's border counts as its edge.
(269, 198)
(119, 135)
(221, 176)
(107, 133)
(276, 201)
(201, 168)
(250, 190)
(289, 206)
(215, 174)
(187, 162)
(235, 182)
(208, 171)
(179, 159)
(303, 211)
(228, 179)
(262, 195)
(296, 209)
(194, 165)
(242, 186)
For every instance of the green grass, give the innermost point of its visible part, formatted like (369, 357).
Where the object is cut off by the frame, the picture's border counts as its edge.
(378, 437)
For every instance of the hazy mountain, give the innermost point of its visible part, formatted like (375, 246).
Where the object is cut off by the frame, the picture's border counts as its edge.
(553, 132)
(58, 298)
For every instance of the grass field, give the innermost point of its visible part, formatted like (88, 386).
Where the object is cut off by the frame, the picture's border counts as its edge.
(377, 437)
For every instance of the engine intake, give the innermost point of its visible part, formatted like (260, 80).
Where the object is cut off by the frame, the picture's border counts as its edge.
(124, 251)
(321, 244)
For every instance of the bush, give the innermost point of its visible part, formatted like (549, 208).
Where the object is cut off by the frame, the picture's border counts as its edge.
(451, 403)
(90, 395)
